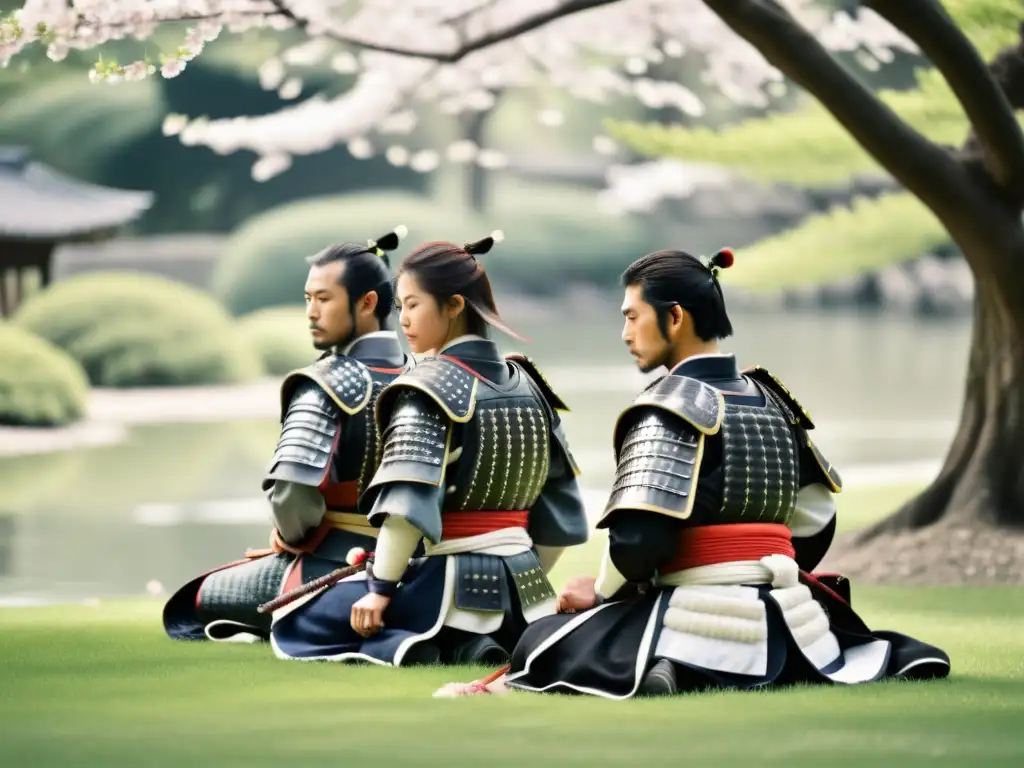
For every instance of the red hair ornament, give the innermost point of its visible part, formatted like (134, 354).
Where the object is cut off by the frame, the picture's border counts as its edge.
(723, 259)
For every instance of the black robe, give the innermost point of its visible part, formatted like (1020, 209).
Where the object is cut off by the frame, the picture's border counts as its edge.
(743, 636)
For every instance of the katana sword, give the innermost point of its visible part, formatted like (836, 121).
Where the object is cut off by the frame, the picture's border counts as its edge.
(329, 580)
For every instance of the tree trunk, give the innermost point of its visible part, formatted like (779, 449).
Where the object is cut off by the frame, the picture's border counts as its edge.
(982, 479)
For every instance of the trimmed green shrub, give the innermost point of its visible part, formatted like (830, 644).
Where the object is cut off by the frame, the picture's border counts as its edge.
(40, 386)
(555, 234)
(280, 336)
(136, 330)
(264, 261)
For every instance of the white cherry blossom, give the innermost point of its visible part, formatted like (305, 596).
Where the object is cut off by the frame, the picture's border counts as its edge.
(388, 45)
(171, 68)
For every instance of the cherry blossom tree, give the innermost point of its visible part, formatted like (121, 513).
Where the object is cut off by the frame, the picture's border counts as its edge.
(454, 53)
(459, 55)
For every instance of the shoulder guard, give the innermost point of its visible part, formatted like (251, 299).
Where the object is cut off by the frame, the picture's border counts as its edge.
(416, 441)
(345, 380)
(558, 431)
(309, 428)
(533, 371)
(795, 412)
(449, 385)
(698, 404)
(657, 466)
(829, 473)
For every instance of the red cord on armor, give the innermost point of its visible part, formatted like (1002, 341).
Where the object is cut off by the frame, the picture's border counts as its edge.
(735, 542)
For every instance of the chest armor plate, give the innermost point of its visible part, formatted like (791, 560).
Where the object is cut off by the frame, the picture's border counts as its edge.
(505, 451)
(760, 466)
(359, 447)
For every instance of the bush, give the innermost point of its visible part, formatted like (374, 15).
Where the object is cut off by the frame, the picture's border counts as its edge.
(280, 336)
(555, 234)
(136, 330)
(264, 261)
(40, 386)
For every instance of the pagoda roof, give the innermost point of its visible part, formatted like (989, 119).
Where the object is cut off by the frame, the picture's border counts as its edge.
(40, 203)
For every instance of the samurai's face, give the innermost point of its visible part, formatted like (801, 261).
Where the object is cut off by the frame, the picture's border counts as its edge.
(327, 306)
(651, 343)
(427, 325)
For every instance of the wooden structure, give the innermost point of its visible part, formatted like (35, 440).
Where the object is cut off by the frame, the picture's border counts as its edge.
(41, 208)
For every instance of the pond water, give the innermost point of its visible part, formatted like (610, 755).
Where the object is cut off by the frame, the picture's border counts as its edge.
(175, 499)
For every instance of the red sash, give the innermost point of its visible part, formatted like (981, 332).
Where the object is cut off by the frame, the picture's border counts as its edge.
(714, 544)
(463, 524)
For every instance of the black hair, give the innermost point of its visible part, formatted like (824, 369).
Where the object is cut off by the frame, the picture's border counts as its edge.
(367, 268)
(669, 278)
(445, 270)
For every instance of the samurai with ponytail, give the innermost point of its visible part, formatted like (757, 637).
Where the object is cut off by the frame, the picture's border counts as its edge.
(476, 472)
(720, 510)
(326, 455)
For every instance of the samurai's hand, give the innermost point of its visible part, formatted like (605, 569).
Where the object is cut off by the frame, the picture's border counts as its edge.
(578, 595)
(368, 614)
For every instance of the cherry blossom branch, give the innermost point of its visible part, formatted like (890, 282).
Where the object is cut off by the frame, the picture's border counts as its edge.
(990, 112)
(185, 18)
(528, 24)
(392, 76)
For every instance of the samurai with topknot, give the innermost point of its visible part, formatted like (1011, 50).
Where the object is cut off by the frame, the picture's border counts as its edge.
(326, 455)
(476, 471)
(720, 510)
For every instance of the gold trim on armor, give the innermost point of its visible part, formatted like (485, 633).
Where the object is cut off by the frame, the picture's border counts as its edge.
(413, 384)
(531, 367)
(759, 371)
(835, 482)
(573, 466)
(690, 499)
(700, 430)
(644, 398)
(351, 522)
(444, 459)
(305, 373)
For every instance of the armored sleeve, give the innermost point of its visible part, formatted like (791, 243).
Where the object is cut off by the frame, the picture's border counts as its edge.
(309, 432)
(658, 460)
(409, 482)
(559, 518)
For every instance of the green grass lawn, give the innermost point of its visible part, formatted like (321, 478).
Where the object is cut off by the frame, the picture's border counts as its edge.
(102, 686)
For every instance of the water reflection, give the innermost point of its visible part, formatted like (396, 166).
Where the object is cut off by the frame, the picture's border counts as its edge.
(176, 499)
